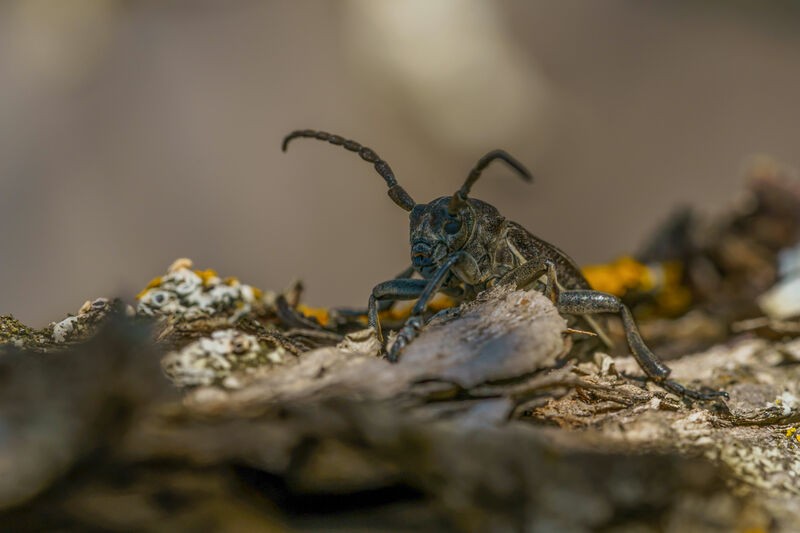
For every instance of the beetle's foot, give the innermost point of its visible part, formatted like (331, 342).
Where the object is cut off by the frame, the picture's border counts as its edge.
(408, 333)
(444, 315)
(676, 388)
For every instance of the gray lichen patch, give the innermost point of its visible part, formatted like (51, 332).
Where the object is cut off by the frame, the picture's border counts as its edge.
(16, 334)
(73, 328)
(194, 294)
(760, 459)
(83, 325)
(228, 358)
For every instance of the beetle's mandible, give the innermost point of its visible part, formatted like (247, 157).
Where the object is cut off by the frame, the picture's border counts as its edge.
(461, 246)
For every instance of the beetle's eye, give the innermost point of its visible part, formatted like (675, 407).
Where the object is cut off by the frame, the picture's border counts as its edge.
(452, 226)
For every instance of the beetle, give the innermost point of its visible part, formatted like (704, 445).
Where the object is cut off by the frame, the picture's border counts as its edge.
(461, 246)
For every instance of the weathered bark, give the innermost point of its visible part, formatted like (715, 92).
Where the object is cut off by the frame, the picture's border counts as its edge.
(481, 426)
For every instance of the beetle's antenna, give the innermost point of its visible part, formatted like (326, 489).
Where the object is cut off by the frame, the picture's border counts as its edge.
(460, 197)
(396, 192)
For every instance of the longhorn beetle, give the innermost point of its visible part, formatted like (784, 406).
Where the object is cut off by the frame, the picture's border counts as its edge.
(461, 246)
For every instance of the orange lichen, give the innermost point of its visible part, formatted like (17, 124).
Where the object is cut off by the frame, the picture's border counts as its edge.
(207, 275)
(627, 275)
(155, 282)
(792, 433)
(402, 310)
(398, 312)
(320, 314)
(620, 276)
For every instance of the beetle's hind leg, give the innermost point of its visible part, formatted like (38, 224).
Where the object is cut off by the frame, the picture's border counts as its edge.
(588, 302)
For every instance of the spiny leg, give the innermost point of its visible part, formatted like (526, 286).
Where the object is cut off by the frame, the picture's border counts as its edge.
(587, 302)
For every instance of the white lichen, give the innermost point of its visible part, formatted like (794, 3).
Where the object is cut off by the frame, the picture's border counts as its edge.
(63, 329)
(788, 402)
(194, 294)
(79, 326)
(215, 359)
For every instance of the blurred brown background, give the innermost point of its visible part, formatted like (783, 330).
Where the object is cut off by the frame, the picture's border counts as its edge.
(133, 133)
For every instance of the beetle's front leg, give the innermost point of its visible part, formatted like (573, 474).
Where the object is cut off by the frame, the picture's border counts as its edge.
(383, 305)
(396, 289)
(464, 267)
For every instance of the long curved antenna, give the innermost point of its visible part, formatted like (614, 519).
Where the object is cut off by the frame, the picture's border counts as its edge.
(396, 192)
(460, 197)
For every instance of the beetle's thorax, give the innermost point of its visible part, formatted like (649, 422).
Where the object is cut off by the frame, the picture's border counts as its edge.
(435, 233)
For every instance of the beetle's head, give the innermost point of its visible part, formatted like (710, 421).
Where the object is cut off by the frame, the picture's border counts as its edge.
(436, 233)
